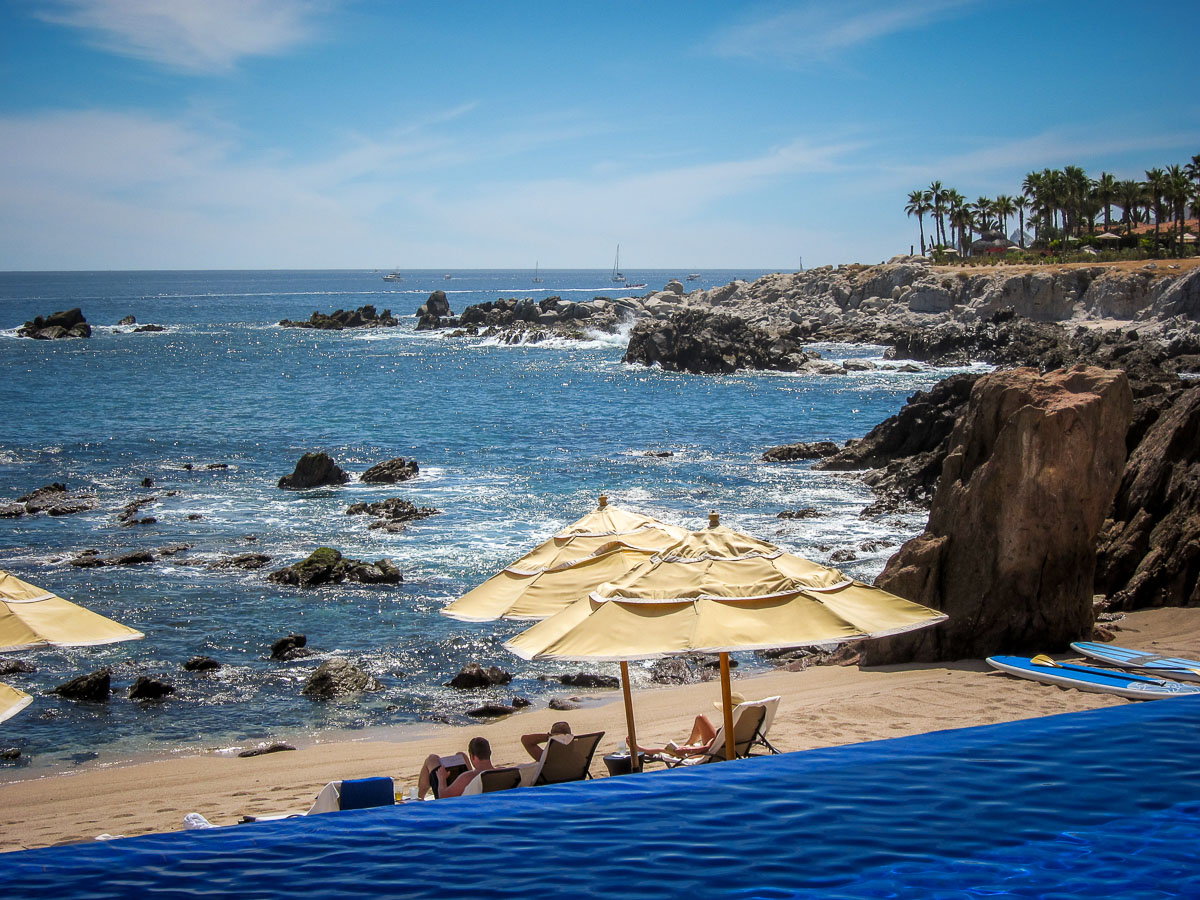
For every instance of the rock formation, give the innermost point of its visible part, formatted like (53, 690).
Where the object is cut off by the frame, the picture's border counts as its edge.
(392, 514)
(337, 677)
(693, 340)
(65, 324)
(314, 470)
(473, 675)
(391, 471)
(93, 687)
(1149, 554)
(293, 646)
(433, 311)
(146, 688)
(800, 451)
(363, 317)
(327, 566)
(1009, 551)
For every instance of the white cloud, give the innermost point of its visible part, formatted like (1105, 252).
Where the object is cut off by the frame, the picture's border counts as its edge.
(201, 36)
(817, 31)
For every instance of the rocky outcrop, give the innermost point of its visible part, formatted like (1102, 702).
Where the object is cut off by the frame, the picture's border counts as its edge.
(336, 678)
(393, 514)
(495, 710)
(363, 317)
(327, 566)
(264, 748)
(391, 471)
(246, 561)
(589, 680)
(1009, 550)
(94, 687)
(800, 451)
(433, 311)
(314, 470)
(65, 324)
(146, 688)
(692, 340)
(52, 499)
(1149, 554)
(473, 675)
(201, 664)
(293, 646)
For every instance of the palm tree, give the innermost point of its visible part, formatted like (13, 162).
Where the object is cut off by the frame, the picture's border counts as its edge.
(918, 205)
(1130, 195)
(1031, 188)
(937, 196)
(1075, 189)
(1155, 181)
(1105, 192)
(1003, 207)
(962, 217)
(1175, 192)
(984, 209)
(1020, 204)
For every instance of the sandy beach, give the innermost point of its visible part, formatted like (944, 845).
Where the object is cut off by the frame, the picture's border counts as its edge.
(823, 706)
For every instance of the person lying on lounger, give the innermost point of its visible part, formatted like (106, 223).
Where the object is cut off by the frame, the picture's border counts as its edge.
(535, 744)
(433, 772)
(701, 738)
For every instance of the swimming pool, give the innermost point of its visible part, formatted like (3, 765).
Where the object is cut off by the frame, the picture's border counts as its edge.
(1099, 803)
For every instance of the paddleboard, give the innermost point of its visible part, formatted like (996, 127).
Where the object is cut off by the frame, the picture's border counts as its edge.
(1089, 678)
(1150, 663)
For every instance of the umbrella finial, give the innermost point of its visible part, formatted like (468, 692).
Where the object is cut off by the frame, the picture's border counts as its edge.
(714, 519)
(603, 500)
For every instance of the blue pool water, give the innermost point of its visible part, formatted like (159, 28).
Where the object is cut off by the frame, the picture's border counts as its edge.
(1103, 803)
(513, 443)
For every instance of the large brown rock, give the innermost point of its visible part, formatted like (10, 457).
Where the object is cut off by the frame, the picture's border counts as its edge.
(314, 470)
(1150, 552)
(1009, 551)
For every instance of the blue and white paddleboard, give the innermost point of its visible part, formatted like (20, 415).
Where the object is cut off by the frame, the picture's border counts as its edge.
(1089, 678)
(1150, 663)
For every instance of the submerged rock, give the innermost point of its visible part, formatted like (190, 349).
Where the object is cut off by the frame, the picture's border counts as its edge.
(1009, 550)
(314, 470)
(201, 664)
(93, 687)
(327, 566)
(145, 688)
(589, 680)
(473, 675)
(273, 747)
(792, 452)
(392, 514)
(291, 647)
(337, 677)
(363, 317)
(16, 667)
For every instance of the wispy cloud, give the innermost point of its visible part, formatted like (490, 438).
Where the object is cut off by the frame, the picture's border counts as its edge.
(209, 36)
(818, 31)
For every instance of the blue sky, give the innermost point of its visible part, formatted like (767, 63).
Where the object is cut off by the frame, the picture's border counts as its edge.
(351, 134)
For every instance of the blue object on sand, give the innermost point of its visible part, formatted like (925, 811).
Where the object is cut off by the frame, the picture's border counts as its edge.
(363, 793)
(1104, 803)
(1130, 685)
(1177, 667)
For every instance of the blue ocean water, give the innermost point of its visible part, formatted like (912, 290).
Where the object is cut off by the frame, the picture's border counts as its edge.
(513, 443)
(1104, 803)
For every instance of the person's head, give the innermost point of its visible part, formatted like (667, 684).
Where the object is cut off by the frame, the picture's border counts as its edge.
(480, 749)
(560, 728)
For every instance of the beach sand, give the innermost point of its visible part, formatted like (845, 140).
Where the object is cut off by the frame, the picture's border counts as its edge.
(821, 706)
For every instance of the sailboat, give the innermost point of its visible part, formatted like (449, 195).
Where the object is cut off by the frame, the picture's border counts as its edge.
(616, 273)
(536, 278)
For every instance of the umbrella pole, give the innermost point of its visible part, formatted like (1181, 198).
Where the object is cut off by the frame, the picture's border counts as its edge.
(727, 704)
(635, 757)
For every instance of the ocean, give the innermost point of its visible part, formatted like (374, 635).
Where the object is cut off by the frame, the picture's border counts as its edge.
(513, 442)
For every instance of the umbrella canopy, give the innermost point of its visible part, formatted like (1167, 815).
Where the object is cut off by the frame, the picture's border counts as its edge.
(31, 617)
(603, 545)
(1108, 236)
(717, 591)
(12, 701)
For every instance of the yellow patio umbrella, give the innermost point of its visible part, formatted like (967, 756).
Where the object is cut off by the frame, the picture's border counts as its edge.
(603, 545)
(12, 701)
(32, 617)
(718, 591)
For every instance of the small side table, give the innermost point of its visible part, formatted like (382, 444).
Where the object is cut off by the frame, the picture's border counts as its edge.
(621, 763)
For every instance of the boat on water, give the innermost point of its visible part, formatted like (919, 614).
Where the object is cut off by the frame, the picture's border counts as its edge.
(447, 276)
(694, 276)
(393, 275)
(641, 285)
(537, 279)
(617, 277)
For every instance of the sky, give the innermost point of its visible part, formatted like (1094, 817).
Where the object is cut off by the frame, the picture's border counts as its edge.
(310, 134)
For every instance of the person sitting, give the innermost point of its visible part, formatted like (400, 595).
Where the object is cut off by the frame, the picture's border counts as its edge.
(433, 773)
(701, 738)
(535, 744)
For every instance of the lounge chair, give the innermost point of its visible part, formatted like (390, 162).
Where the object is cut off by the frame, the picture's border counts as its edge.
(770, 706)
(565, 758)
(747, 723)
(493, 780)
(355, 793)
